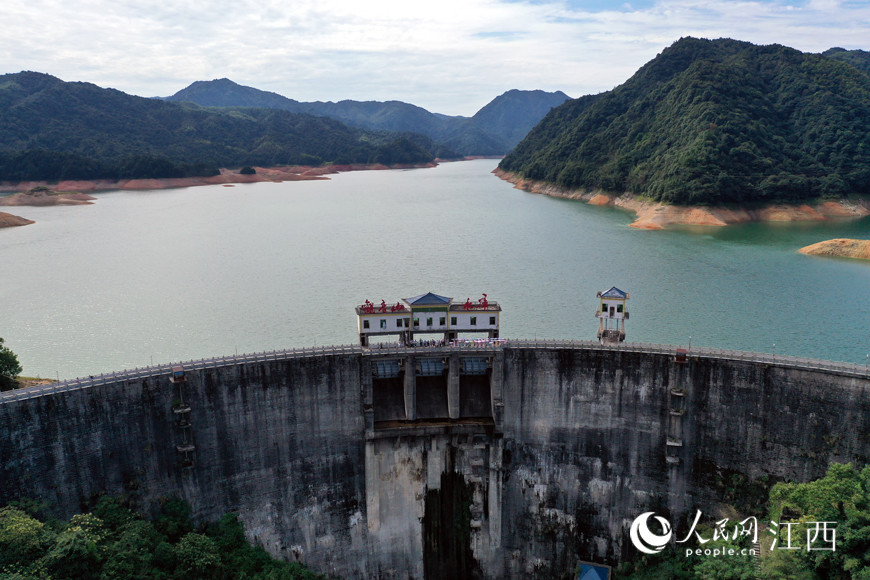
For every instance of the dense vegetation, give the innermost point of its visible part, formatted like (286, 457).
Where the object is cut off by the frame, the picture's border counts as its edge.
(10, 368)
(860, 59)
(51, 130)
(842, 497)
(113, 542)
(711, 122)
(494, 130)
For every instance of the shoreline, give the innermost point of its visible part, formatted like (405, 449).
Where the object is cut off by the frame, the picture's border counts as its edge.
(654, 215)
(225, 177)
(72, 192)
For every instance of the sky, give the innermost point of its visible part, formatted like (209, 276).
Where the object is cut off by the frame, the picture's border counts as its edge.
(450, 57)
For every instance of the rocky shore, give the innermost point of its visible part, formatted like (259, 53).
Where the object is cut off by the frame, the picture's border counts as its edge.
(840, 248)
(652, 215)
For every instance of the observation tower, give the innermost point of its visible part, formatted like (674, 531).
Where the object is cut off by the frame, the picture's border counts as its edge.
(612, 315)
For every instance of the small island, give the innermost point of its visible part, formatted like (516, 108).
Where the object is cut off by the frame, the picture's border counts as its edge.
(43, 196)
(840, 248)
(38, 196)
(7, 220)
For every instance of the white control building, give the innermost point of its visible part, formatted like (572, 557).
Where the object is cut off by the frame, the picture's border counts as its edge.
(427, 314)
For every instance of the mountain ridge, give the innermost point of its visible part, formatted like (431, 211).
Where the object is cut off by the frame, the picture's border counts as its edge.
(55, 130)
(492, 131)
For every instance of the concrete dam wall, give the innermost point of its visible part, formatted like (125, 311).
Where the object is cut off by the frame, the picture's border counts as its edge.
(516, 461)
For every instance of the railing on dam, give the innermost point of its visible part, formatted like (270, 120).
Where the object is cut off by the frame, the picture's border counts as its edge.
(845, 368)
(478, 347)
(166, 369)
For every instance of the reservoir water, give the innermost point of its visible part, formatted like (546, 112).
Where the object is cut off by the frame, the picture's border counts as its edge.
(168, 275)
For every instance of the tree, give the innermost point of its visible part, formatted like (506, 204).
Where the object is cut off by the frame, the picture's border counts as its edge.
(19, 538)
(9, 367)
(198, 556)
(79, 550)
(842, 497)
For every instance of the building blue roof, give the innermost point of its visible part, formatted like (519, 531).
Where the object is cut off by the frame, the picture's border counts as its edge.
(614, 292)
(428, 299)
(593, 572)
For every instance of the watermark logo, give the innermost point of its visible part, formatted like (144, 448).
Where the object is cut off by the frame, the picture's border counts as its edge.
(645, 539)
(816, 536)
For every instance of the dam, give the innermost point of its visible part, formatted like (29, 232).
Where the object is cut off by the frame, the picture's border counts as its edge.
(494, 459)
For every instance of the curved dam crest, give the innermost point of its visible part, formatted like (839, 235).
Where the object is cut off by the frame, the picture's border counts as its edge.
(496, 462)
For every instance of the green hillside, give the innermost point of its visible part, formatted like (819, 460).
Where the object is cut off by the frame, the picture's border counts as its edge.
(710, 122)
(50, 129)
(860, 59)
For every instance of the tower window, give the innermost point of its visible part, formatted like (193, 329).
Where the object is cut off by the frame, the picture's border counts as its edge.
(365, 323)
(452, 321)
(474, 321)
(492, 320)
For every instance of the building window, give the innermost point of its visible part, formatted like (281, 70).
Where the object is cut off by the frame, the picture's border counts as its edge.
(441, 321)
(398, 323)
(428, 322)
(492, 320)
(365, 323)
(452, 321)
(383, 323)
(619, 307)
(416, 322)
(474, 321)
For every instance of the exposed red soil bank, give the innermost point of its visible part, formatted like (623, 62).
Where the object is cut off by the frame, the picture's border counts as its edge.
(653, 215)
(840, 248)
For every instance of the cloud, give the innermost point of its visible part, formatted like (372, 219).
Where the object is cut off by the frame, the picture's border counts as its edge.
(451, 56)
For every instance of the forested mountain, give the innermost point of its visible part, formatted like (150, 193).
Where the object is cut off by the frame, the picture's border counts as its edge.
(513, 114)
(860, 59)
(51, 129)
(709, 122)
(494, 130)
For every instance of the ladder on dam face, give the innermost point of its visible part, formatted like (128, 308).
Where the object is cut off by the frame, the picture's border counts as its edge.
(676, 411)
(182, 418)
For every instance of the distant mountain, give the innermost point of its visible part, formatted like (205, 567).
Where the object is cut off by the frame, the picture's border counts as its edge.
(711, 122)
(226, 93)
(51, 129)
(494, 130)
(512, 115)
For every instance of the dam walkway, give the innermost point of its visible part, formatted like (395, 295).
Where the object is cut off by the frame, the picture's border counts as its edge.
(482, 347)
